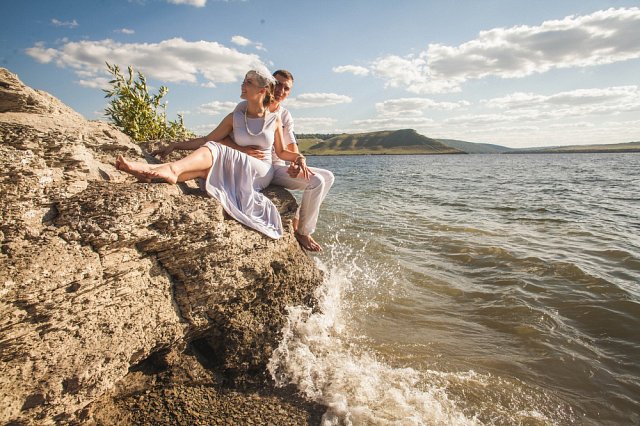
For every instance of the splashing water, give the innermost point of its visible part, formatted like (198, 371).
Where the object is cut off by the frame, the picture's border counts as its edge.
(320, 357)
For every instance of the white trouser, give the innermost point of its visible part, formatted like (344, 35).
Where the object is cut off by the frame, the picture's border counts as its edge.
(315, 189)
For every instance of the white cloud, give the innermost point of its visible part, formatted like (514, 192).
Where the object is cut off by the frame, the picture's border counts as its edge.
(95, 83)
(208, 85)
(243, 41)
(174, 60)
(315, 124)
(579, 97)
(574, 103)
(578, 125)
(393, 122)
(41, 54)
(203, 129)
(66, 24)
(353, 69)
(217, 107)
(196, 3)
(313, 100)
(240, 41)
(415, 106)
(126, 31)
(603, 37)
(471, 120)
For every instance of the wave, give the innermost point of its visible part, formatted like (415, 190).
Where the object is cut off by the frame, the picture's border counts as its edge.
(318, 355)
(326, 357)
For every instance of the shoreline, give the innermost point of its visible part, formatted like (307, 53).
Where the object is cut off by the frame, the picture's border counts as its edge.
(621, 151)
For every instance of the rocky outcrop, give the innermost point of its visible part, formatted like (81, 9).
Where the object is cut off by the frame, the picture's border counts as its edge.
(99, 272)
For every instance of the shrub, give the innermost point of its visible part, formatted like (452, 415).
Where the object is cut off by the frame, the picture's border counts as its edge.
(138, 114)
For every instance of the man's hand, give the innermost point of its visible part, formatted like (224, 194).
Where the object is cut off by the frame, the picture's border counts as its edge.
(304, 169)
(253, 151)
(164, 151)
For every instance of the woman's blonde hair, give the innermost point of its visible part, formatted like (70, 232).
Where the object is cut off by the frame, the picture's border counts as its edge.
(264, 80)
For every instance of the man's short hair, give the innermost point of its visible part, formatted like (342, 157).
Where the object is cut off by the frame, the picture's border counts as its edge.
(286, 74)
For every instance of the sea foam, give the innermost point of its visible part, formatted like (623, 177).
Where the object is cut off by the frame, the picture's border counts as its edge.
(320, 356)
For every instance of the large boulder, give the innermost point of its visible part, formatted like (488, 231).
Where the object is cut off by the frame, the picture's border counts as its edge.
(99, 272)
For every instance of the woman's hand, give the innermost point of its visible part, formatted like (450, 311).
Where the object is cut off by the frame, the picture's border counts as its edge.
(164, 151)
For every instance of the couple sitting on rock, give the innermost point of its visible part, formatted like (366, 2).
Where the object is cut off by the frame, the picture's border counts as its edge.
(243, 155)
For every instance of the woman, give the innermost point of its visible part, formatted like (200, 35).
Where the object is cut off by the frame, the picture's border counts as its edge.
(231, 176)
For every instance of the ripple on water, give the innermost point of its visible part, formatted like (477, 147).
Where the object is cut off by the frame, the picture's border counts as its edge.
(515, 278)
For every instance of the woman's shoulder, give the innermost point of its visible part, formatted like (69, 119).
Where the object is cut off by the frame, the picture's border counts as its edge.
(241, 107)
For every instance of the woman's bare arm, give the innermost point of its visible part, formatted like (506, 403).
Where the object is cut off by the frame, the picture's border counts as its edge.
(224, 129)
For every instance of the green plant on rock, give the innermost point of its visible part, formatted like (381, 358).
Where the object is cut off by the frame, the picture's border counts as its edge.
(137, 113)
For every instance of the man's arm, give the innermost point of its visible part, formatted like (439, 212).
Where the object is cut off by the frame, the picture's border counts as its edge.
(290, 141)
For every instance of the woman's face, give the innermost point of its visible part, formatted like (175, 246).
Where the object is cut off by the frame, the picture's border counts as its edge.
(250, 89)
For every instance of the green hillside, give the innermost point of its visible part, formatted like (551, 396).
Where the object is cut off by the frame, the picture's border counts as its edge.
(406, 141)
(305, 143)
(615, 147)
(474, 147)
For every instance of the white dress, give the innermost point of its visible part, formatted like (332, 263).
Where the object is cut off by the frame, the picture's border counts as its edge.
(236, 178)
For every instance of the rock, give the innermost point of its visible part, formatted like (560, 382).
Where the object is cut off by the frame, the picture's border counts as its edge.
(99, 273)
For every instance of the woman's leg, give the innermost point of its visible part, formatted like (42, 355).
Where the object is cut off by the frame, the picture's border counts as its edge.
(194, 165)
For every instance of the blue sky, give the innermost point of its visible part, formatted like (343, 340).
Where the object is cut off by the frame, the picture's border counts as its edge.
(511, 72)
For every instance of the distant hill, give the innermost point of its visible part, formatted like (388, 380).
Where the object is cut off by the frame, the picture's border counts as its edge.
(614, 147)
(305, 143)
(475, 148)
(406, 141)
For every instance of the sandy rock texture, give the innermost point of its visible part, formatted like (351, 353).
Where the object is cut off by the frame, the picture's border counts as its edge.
(99, 273)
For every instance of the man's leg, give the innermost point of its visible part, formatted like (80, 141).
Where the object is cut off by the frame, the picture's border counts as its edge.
(315, 190)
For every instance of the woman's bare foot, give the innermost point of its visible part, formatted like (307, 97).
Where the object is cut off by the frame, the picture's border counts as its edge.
(146, 171)
(122, 165)
(307, 242)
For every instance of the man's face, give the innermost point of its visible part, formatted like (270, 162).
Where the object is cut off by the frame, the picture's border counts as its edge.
(283, 88)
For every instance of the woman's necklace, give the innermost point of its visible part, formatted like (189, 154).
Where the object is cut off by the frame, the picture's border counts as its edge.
(246, 124)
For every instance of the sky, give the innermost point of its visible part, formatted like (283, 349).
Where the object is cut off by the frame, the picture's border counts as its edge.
(517, 73)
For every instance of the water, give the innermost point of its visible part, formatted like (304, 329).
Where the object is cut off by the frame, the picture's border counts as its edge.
(497, 289)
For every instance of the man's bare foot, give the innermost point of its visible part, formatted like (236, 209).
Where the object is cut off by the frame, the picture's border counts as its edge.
(307, 242)
(146, 171)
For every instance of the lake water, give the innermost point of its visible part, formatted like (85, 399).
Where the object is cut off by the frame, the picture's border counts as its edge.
(474, 289)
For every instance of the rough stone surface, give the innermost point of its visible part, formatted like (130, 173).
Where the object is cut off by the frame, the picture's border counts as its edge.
(100, 273)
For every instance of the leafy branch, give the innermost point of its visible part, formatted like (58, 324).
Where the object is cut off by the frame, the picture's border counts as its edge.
(137, 113)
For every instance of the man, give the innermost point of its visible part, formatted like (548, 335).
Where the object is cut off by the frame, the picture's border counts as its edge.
(318, 185)
(315, 188)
